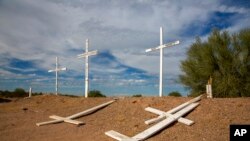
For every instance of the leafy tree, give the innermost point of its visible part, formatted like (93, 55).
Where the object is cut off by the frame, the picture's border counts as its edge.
(225, 58)
(175, 93)
(95, 93)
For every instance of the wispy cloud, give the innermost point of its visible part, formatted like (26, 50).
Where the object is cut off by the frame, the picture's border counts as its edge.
(33, 33)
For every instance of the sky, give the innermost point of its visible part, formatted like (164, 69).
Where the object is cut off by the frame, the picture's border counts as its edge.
(34, 32)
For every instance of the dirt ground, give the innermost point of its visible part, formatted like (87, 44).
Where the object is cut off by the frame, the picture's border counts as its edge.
(212, 117)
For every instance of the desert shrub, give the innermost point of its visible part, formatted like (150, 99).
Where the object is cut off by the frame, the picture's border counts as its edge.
(224, 57)
(137, 95)
(19, 92)
(95, 93)
(175, 93)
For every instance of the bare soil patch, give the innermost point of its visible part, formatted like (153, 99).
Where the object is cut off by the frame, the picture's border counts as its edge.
(212, 117)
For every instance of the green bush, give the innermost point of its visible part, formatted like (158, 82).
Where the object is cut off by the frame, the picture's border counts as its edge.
(137, 95)
(224, 57)
(175, 93)
(19, 92)
(95, 93)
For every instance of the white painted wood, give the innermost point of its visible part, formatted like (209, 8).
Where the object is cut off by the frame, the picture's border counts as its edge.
(57, 70)
(116, 135)
(91, 110)
(163, 46)
(30, 92)
(161, 125)
(154, 120)
(48, 122)
(155, 111)
(161, 117)
(185, 121)
(86, 56)
(161, 63)
(155, 128)
(209, 91)
(68, 119)
(163, 114)
(161, 58)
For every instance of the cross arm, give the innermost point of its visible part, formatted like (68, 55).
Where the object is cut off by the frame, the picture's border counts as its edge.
(66, 120)
(163, 46)
(119, 136)
(87, 54)
(153, 129)
(59, 69)
(163, 115)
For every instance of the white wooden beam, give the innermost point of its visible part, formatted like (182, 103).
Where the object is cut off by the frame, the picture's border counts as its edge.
(163, 115)
(161, 47)
(155, 128)
(57, 70)
(30, 92)
(161, 125)
(68, 119)
(117, 136)
(86, 56)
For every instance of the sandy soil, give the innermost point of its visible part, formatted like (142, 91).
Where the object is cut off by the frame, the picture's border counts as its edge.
(212, 118)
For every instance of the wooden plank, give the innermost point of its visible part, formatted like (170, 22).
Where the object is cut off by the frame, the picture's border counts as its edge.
(161, 125)
(155, 111)
(198, 98)
(154, 120)
(91, 110)
(117, 136)
(69, 118)
(185, 121)
(164, 115)
(49, 122)
(154, 129)
(174, 110)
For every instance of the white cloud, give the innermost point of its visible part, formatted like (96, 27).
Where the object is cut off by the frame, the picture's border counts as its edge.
(40, 30)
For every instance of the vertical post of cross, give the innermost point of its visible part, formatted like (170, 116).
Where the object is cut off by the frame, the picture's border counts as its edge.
(209, 88)
(86, 56)
(30, 92)
(56, 75)
(57, 69)
(161, 63)
(161, 47)
(87, 70)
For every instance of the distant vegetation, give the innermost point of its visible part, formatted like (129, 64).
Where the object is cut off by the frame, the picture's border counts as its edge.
(68, 95)
(175, 93)
(18, 92)
(95, 93)
(137, 95)
(225, 58)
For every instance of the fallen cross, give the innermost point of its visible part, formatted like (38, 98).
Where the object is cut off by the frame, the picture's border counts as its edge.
(163, 115)
(69, 119)
(170, 117)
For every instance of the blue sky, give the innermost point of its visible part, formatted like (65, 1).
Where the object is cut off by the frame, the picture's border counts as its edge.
(34, 32)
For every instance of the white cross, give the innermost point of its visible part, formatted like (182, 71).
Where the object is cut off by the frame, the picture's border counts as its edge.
(30, 92)
(86, 55)
(57, 70)
(161, 57)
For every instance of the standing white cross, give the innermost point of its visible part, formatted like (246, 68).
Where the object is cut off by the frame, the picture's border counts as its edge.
(161, 56)
(57, 70)
(86, 55)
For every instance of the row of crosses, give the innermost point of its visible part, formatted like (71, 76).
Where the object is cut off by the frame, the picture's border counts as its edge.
(90, 53)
